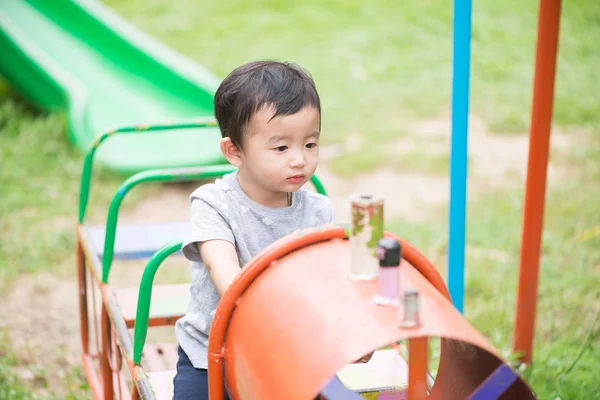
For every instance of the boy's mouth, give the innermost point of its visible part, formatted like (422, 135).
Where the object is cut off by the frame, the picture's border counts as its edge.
(296, 178)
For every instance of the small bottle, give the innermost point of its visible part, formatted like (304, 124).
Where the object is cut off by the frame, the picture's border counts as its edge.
(411, 309)
(389, 252)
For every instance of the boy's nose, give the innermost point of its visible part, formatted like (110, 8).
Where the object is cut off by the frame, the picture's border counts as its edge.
(297, 160)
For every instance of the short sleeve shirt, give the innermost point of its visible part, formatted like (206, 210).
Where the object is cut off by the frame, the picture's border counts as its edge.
(221, 210)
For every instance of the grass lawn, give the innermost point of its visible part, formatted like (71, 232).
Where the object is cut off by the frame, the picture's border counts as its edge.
(567, 341)
(379, 66)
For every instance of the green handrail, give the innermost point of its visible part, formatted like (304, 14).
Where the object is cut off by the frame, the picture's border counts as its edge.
(86, 173)
(181, 174)
(140, 329)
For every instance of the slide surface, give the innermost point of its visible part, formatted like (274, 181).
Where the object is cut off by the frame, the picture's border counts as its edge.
(80, 58)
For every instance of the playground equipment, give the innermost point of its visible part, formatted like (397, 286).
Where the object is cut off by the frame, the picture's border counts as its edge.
(293, 312)
(80, 58)
(539, 144)
(314, 320)
(38, 40)
(98, 247)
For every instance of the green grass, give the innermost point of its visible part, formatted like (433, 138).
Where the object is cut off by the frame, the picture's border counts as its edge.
(401, 150)
(33, 383)
(39, 182)
(568, 306)
(379, 66)
(39, 176)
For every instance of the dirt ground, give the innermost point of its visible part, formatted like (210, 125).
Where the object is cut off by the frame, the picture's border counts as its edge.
(42, 310)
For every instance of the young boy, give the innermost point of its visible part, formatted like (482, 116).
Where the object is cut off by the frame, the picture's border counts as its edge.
(269, 114)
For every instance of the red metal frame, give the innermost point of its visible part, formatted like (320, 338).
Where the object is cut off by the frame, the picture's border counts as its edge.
(455, 351)
(101, 364)
(417, 368)
(539, 144)
(229, 299)
(265, 291)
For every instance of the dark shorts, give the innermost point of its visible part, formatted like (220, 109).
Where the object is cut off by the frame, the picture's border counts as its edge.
(190, 383)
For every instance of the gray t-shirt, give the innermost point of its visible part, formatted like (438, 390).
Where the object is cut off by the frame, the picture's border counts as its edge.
(222, 210)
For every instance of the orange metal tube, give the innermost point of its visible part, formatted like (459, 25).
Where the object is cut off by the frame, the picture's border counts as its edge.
(303, 317)
(260, 263)
(417, 368)
(105, 369)
(92, 378)
(235, 290)
(83, 303)
(539, 139)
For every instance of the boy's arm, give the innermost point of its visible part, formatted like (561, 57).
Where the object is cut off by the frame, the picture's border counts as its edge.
(221, 262)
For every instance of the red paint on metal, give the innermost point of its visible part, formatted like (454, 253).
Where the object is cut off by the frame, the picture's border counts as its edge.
(417, 368)
(293, 312)
(539, 144)
(83, 305)
(92, 378)
(105, 368)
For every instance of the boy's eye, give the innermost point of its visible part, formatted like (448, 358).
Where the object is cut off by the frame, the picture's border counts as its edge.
(311, 145)
(281, 148)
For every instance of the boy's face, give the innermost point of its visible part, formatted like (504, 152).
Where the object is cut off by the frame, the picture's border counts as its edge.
(279, 155)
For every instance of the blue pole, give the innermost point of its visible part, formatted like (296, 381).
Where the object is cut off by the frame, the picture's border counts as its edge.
(458, 153)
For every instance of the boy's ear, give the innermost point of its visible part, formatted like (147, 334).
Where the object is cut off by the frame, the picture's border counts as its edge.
(231, 153)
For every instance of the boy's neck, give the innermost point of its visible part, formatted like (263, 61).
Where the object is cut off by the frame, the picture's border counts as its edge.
(265, 198)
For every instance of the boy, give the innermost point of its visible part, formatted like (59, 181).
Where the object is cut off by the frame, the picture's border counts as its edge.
(269, 114)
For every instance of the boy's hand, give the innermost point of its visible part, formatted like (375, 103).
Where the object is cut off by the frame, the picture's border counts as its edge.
(221, 261)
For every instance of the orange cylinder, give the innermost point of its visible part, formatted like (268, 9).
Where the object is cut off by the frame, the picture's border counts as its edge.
(295, 319)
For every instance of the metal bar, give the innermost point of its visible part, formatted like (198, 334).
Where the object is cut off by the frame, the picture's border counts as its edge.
(92, 377)
(88, 162)
(97, 332)
(83, 299)
(495, 384)
(459, 150)
(181, 174)
(117, 321)
(144, 298)
(539, 146)
(93, 262)
(105, 370)
(417, 368)
(403, 352)
(178, 174)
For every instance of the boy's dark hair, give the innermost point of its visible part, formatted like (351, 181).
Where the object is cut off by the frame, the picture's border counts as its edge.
(285, 86)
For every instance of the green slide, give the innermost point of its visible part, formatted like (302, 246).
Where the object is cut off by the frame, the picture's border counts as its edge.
(80, 58)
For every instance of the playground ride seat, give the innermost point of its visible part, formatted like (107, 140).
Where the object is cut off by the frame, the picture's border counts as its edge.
(292, 323)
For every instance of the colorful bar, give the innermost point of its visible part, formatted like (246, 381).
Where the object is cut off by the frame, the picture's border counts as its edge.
(539, 147)
(417, 368)
(495, 384)
(86, 173)
(458, 153)
(145, 298)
